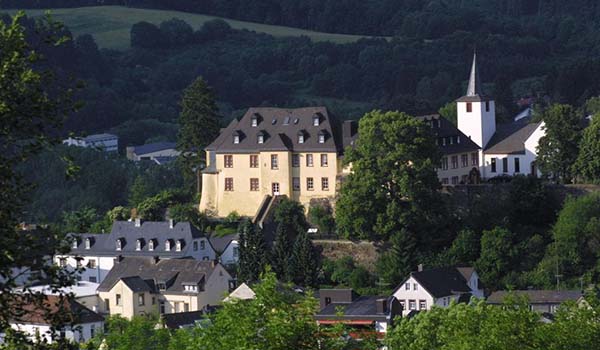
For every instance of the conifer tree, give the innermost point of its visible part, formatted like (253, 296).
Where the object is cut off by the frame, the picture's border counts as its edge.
(281, 253)
(198, 126)
(304, 262)
(252, 252)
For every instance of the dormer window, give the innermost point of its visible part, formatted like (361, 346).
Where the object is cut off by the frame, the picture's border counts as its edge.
(75, 243)
(301, 136)
(316, 119)
(178, 245)
(88, 243)
(190, 288)
(161, 285)
(260, 137)
(168, 245)
(151, 245)
(255, 120)
(139, 244)
(322, 136)
(119, 244)
(236, 139)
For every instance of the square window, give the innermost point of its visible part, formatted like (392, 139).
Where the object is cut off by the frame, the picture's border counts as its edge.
(412, 305)
(296, 183)
(228, 160)
(92, 263)
(229, 184)
(254, 184)
(445, 181)
(422, 305)
(310, 184)
(254, 161)
(309, 160)
(325, 183)
(324, 160)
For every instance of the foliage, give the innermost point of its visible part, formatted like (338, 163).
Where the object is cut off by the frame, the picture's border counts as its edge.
(198, 120)
(80, 220)
(559, 147)
(155, 208)
(304, 262)
(252, 252)
(280, 254)
(188, 212)
(496, 258)
(139, 333)
(289, 214)
(464, 249)
(33, 105)
(587, 165)
(449, 112)
(345, 272)
(322, 217)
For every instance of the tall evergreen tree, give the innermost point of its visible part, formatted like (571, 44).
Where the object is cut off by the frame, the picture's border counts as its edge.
(198, 126)
(252, 252)
(588, 161)
(281, 253)
(304, 263)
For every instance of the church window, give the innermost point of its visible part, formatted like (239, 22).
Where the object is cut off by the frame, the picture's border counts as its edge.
(469, 107)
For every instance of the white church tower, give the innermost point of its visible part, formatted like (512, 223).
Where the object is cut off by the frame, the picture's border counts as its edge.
(476, 113)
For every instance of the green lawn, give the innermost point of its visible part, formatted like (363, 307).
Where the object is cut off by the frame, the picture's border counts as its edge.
(110, 25)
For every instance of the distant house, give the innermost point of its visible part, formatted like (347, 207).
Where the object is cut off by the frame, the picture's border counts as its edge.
(425, 288)
(143, 286)
(159, 152)
(226, 248)
(187, 319)
(96, 252)
(242, 292)
(104, 142)
(362, 313)
(84, 293)
(544, 301)
(80, 323)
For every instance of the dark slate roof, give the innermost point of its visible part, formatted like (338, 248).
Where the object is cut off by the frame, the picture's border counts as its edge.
(461, 142)
(105, 244)
(537, 296)
(182, 319)
(442, 281)
(136, 284)
(100, 137)
(280, 127)
(510, 137)
(173, 272)
(153, 147)
(362, 307)
(219, 244)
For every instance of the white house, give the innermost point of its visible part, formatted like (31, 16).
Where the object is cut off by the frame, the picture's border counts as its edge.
(95, 253)
(159, 152)
(105, 142)
(80, 323)
(478, 143)
(227, 248)
(440, 286)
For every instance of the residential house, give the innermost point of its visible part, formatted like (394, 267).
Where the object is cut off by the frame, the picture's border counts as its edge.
(96, 252)
(440, 286)
(142, 286)
(544, 301)
(80, 323)
(84, 293)
(104, 142)
(187, 319)
(158, 152)
(271, 152)
(242, 292)
(227, 248)
(370, 314)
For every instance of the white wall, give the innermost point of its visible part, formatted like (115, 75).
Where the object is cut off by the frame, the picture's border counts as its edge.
(478, 124)
(474, 285)
(79, 333)
(103, 265)
(231, 254)
(204, 252)
(215, 288)
(404, 296)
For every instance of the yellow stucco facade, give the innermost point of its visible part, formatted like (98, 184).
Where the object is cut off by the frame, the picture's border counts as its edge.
(242, 185)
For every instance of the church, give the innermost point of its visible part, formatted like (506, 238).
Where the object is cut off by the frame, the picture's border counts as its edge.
(477, 147)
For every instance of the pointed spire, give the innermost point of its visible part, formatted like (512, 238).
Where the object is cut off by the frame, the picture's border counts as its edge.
(474, 88)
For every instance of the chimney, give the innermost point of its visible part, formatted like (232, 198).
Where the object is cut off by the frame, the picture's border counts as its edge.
(155, 260)
(138, 222)
(420, 267)
(171, 223)
(382, 306)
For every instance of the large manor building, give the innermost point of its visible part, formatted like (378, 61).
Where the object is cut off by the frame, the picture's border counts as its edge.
(299, 152)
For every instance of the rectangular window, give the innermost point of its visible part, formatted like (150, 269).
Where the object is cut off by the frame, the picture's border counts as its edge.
(141, 300)
(177, 307)
(469, 107)
(464, 160)
(62, 262)
(324, 161)
(236, 252)
(445, 163)
(309, 160)
(229, 184)
(186, 307)
(228, 161)
(505, 165)
(92, 279)
(325, 183)
(445, 181)
(474, 159)
(254, 184)
(454, 162)
(412, 305)
(254, 161)
(422, 305)
(118, 299)
(195, 246)
(455, 180)
(407, 286)
(91, 263)
(295, 160)
(296, 183)
(415, 286)
(493, 164)
(310, 185)
(202, 245)
(487, 106)
(517, 165)
(274, 162)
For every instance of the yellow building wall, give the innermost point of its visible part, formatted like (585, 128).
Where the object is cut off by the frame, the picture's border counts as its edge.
(129, 302)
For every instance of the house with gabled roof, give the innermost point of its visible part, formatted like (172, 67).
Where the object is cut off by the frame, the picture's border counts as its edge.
(440, 286)
(158, 152)
(96, 253)
(226, 248)
(543, 301)
(143, 286)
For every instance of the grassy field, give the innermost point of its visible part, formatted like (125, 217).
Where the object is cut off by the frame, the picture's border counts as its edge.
(110, 25)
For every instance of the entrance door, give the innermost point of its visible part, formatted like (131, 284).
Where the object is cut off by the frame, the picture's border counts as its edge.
(275, 188)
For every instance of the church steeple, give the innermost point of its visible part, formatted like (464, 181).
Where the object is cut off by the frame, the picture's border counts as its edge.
(474, 88)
